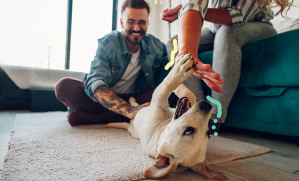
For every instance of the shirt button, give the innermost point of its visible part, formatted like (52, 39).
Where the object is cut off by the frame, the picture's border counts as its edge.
(158, 65)
(112, 71)
(146, 74)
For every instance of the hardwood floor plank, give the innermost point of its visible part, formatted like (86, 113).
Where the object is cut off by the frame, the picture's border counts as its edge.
(189, 175)
(248, 170)
(283, 148)
(279, 162)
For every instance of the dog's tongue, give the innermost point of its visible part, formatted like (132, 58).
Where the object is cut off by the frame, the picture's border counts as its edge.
(184, 105)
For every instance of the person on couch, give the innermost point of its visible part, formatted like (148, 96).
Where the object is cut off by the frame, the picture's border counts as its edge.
(124, 66)
(234, 23)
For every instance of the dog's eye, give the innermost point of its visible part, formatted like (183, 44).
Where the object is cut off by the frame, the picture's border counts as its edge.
(189, 131)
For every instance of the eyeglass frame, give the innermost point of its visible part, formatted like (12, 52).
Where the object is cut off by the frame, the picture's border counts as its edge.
(133, 23)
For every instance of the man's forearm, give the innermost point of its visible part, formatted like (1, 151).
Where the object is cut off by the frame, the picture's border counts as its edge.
(218, 16)
(111, 101)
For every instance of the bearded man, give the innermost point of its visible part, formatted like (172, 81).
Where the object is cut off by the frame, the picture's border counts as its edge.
(125, 65)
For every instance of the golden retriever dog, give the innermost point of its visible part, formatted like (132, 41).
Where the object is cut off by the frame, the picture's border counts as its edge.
(174, 136)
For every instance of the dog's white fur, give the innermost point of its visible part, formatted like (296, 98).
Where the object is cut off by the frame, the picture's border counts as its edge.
(166, 138)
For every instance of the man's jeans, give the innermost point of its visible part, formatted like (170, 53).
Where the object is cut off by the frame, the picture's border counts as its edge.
(227, 58)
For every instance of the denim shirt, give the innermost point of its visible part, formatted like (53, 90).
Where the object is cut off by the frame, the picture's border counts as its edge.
(112, 58)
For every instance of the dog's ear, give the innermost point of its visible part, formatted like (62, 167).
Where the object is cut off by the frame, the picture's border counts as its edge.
(161, 167)
(208, 172)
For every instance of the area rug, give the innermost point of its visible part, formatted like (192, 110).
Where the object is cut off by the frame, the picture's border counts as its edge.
(45, 147)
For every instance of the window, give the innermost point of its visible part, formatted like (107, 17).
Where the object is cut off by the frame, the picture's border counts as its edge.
(33, 33)
(91, 20)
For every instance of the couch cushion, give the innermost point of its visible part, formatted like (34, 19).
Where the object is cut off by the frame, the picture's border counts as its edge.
(271, 61)
(282, 60)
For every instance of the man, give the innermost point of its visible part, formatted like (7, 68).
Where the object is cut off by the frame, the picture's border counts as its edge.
(124, 66)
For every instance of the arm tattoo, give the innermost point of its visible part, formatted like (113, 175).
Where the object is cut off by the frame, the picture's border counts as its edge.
(115, 97)
(107, 104)
(103, 89)
(136, 108)
(121, 112)
(123, 105)
(111, 101)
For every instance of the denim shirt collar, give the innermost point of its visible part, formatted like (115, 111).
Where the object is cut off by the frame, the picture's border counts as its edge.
(124, 49)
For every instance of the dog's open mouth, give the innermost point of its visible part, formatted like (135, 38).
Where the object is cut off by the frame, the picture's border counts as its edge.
(183, 106)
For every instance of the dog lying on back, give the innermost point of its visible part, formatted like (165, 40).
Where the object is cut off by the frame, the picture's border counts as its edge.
(173, 136)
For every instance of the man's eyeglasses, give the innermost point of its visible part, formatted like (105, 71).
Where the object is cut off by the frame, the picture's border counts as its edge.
(141, 24)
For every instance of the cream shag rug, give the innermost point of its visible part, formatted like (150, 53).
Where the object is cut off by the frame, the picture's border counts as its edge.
(45, 147)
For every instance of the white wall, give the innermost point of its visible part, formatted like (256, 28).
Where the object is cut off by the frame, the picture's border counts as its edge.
(292, 13)
(158, 27)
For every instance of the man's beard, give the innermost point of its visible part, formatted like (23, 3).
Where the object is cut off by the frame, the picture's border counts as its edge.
(141, 32)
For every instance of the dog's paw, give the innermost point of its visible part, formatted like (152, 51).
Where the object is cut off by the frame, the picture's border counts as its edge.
(133, 102)
(182, 69)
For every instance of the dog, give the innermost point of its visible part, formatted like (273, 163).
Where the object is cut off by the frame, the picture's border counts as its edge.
(173, 136)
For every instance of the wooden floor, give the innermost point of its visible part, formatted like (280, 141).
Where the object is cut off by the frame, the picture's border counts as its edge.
(282, 163)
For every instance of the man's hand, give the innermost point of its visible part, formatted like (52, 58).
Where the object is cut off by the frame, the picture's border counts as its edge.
(170, 15)
(114, 103)
(205, 73)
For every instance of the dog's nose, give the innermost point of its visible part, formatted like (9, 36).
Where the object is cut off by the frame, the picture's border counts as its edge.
(205, 106)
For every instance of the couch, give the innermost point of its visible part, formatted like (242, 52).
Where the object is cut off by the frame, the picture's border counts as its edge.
(267, 97)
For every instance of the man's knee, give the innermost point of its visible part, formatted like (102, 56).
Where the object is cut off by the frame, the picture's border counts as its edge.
(64, 86)
(60, 85)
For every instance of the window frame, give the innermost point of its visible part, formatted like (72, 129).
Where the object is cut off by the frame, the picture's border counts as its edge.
(69, 28)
